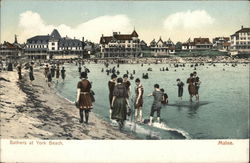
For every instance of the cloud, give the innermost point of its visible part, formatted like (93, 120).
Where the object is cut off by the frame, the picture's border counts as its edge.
(32, 24)
(188, 20)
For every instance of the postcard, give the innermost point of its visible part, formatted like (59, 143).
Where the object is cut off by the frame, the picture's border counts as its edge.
(124, 81)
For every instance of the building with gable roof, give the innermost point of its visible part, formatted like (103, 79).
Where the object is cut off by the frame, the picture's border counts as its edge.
(240, 41)
(54, 46)
(161, 47)
(197, 44)
(11, 50)
(120, 45)
(188, 45)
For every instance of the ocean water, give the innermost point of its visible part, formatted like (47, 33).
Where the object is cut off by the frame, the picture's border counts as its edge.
(222, 113)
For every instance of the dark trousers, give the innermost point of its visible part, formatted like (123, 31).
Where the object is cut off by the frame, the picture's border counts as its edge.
(155, 109)
(180, 92)
(86, 115)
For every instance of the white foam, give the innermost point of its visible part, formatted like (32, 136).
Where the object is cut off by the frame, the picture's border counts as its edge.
(165, 127)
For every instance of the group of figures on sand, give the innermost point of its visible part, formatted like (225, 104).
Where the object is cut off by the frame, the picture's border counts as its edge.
(53, 71)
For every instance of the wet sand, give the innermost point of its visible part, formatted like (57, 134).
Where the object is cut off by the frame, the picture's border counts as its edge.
(36, 112)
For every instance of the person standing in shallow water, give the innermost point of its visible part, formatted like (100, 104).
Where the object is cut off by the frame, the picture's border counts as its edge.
(138, 100)
(53, 71)
(111, 85)
(63, 73)
(156, 106)
(83, 97)
(120, 103)
(57, 73)
(126, 83)
(191, 86)
(197, 83)
(31, 74)
(46, 70)
(180, 85)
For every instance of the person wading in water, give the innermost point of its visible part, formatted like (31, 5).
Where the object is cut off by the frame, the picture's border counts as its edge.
(156, 106)
(191, 87)
(111, 85)
(83, 98)
(63, 73)
(197, 83)
(138, 100)
(180, 85)
(120, 103)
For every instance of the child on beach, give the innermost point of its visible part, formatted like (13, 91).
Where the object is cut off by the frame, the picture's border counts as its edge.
(165, 97)
(138, 100)
(83, 98)
(180, 85)
(156, 106)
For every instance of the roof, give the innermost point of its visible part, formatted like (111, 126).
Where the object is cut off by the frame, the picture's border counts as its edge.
(221, 38)
(143, 43)
(201, 41)
(55, 34)
(169, 42)
(122, 37)
(7, 45)
(43, 38)
(116, 36)
(243, 30)
(105, 40)
(160, 40)
(134, 34)
(64, 42)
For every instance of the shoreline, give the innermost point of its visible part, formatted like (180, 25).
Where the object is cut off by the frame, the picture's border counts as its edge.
(37, 112)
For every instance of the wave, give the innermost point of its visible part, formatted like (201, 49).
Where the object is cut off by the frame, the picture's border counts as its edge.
(166, 127)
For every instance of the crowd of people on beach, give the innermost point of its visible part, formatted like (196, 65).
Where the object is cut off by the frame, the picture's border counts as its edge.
(119, 89)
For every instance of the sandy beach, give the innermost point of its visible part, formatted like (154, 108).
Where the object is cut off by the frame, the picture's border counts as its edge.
(36, 112)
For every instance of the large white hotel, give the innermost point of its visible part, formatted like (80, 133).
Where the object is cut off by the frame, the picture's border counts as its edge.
(120, 45)
(240, 41)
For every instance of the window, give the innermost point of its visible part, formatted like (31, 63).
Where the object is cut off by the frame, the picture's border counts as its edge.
(53, 48)
(53, 43)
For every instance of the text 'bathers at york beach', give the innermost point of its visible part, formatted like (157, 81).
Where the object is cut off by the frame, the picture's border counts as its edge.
(37, 142)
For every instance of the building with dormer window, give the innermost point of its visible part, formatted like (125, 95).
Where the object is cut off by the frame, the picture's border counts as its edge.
(52, 46)
(161, 47)
(120, 45)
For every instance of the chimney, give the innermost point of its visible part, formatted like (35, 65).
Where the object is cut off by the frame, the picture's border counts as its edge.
(82, 39)
(242, 27)
(15, 39)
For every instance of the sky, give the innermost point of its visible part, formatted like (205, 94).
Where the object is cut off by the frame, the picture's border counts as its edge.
(177, 20)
